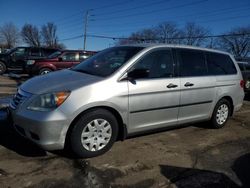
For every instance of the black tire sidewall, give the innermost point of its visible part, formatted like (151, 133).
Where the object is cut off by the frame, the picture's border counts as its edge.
(3, 69)
(213, 120)
(75, 136)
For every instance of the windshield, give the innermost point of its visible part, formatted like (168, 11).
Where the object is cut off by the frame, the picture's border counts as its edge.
(11, 50)
(107, 61)
(55, 54)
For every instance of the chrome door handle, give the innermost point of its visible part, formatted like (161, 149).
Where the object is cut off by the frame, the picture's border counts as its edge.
(172, 85)
(188, 84)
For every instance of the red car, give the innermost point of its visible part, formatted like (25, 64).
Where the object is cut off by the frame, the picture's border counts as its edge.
(56, 61)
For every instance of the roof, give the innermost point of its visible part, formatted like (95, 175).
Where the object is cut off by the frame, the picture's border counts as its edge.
(83, 51)
(158, 45)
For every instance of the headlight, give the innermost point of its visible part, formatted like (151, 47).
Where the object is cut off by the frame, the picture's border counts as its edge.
(49, 101)
(30, 62)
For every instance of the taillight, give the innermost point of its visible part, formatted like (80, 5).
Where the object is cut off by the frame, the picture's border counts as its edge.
(242, 83)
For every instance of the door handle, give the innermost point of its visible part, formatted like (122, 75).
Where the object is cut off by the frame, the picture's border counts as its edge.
(188, 84)
(172, 85)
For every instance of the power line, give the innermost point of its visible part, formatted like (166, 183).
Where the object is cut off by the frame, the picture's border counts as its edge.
(157, 10)
(198, 22)
(134, 8)
(112, 5)
(63, 19)
(142, 39)
(173, 38)
(202, 14)
(71, 38)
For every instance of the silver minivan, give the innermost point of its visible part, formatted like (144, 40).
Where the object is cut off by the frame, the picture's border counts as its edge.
(127, 90)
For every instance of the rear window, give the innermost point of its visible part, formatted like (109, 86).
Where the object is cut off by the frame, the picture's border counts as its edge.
(192, 63)
(220, 64)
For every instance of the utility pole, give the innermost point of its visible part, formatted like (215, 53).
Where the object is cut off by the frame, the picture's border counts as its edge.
(85, 29)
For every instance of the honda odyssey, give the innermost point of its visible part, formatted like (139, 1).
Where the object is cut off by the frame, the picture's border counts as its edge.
(127, 90)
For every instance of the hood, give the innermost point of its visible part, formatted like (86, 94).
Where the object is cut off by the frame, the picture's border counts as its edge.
(3, 55)
(65, 80)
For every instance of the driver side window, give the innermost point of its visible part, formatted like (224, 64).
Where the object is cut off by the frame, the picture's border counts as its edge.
(20, 52)
(159, 64)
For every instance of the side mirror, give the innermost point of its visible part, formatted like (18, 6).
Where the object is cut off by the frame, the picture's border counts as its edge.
(138, 73)
(60, 59)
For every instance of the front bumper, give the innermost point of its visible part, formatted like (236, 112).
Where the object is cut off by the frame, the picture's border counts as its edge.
(46, 129)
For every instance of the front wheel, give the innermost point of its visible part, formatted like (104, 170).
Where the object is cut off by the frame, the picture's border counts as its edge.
(221, 113)
(94, 133)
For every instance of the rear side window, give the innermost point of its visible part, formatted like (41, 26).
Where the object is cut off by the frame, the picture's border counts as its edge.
(69, 56)
(47, 52)
(191, 63)
(83, 56)
(35, 52)
(220, 64)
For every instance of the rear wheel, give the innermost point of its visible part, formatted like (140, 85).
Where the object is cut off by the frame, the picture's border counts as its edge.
(45, 71)
(221, 113)
(94, 133)
(2, 68)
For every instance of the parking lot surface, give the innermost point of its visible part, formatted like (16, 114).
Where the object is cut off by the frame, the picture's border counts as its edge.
(191, 156)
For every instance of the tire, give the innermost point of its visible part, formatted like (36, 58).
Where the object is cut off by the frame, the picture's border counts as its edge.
(2, 68)
(221, 114)
(84, 141)
(44, 71)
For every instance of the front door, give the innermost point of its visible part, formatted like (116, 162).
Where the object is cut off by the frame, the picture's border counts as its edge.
(154, 98)
(17, 57)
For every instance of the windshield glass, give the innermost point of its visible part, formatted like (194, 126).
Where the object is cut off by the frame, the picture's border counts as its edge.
(55, 54)
(11, 50)
(107, 61)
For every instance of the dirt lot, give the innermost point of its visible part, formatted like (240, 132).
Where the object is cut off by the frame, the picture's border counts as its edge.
(194, 156)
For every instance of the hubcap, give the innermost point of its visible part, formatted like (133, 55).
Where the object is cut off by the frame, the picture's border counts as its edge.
(45, 72)
(96, 135)
(222, 114)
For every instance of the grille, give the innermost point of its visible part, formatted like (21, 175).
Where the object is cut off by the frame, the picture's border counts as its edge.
(19, 98)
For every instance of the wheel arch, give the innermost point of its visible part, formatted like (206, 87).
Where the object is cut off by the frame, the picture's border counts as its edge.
(230, 100)
(122, 128)
(47, 66)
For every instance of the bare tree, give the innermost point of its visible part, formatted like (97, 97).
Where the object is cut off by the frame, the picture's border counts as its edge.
(49, 35)
(143, 36)
(193, 34)
(31, 35)
(238, 43)
(9, 35)
(167, 32)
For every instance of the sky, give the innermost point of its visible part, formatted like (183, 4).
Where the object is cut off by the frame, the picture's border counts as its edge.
(120, 18)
